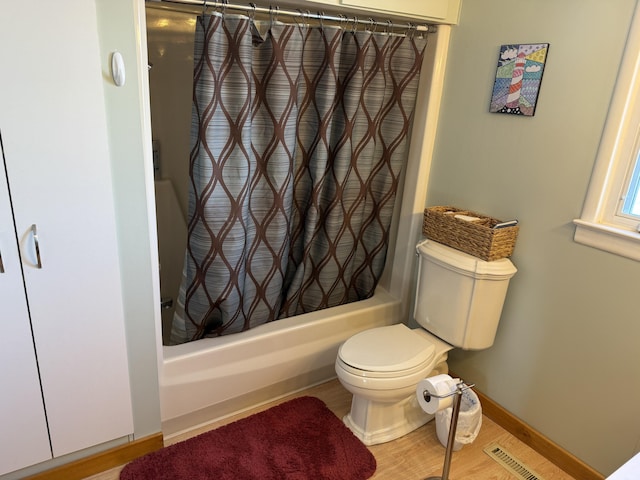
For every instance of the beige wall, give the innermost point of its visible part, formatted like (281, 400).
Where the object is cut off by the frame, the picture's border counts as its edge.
(568, 343)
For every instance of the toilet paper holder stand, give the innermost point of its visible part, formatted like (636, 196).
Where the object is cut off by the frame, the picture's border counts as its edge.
(461, 386)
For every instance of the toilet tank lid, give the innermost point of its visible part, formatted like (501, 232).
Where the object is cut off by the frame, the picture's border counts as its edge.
(464, 263)
(386, 349)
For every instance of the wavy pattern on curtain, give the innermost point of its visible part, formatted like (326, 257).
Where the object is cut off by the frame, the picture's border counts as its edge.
(298, 139)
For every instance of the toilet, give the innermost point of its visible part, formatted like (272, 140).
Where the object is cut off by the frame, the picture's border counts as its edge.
(459, 301)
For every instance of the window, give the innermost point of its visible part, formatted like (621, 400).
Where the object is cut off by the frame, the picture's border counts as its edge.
(610, 219)
(631, 199)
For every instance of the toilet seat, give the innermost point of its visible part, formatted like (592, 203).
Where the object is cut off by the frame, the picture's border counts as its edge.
(390, 351)
(373, 375)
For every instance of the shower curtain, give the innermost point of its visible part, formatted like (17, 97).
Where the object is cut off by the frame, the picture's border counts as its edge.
(298, 139)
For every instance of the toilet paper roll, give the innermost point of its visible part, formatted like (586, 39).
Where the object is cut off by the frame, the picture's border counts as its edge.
(440, 385)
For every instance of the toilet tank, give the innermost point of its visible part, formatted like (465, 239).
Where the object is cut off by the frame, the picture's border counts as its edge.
(459, 297)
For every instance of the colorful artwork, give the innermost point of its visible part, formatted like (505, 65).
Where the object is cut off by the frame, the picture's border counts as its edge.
(518, 78)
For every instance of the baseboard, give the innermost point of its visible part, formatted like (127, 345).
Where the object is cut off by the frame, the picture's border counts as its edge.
(102, 461)
(538, 442)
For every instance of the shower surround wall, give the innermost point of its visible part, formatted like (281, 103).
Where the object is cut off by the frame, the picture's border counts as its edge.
(170, 45)
(212, 377)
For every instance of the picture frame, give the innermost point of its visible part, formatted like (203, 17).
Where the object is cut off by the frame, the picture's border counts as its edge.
(518, 78)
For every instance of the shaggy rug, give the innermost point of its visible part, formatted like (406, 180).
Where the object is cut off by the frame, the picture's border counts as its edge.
(297, 440)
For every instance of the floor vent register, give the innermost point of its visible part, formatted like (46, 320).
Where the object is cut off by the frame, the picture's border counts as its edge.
(510, 463)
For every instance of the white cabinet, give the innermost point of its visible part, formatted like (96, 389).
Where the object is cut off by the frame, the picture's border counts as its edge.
(23, 429)
(62, 338)
(436, 11)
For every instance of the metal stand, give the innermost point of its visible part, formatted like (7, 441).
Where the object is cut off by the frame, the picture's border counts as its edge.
(460, 387)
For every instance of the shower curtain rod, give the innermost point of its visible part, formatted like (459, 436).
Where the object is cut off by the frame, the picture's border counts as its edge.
(275, 11)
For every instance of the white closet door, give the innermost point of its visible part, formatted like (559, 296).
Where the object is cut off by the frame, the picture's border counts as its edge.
(52, 116)
(24, 439)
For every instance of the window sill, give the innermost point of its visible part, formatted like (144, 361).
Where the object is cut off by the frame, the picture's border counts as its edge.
(608, 238)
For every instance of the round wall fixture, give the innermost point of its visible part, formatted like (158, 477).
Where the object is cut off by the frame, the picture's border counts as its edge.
(117, 69)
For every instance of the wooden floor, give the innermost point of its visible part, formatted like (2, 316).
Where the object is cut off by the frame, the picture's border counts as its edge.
(417, 455)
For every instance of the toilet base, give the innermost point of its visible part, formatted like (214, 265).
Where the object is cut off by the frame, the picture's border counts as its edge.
(378, 422)
(377, 418)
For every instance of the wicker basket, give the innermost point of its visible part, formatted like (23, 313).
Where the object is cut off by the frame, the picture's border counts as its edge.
(477, 237)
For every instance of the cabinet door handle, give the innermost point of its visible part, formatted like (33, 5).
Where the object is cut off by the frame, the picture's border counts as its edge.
(1, 264)
(36, 244)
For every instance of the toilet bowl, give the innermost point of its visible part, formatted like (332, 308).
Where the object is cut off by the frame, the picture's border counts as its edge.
(459, 301)
(381, 367)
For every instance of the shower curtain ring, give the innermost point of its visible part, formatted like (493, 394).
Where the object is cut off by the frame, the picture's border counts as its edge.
(252, 15)
(411, 30)
(273, 14)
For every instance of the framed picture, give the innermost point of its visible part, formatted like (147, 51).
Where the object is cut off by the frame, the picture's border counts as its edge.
(518, 78)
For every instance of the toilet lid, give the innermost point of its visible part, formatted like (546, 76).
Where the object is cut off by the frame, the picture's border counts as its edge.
(386, 349)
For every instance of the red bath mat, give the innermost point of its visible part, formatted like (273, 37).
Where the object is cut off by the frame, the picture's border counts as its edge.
(297, 440)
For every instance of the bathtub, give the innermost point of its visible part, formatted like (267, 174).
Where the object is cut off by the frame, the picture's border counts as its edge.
(211, 378)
